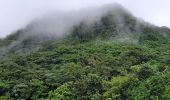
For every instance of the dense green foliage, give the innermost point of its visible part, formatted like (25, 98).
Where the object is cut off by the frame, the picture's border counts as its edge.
(89, 64)
(89, 70)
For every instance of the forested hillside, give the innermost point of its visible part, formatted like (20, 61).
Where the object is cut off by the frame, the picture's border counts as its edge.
(103, 60)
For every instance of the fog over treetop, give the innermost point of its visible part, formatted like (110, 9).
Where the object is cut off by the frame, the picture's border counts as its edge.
(60, 23)
(15, 14)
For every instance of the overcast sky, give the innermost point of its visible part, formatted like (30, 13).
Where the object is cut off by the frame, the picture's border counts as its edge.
(15, 14)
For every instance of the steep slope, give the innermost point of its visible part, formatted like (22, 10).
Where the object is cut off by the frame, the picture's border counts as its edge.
(114, 57)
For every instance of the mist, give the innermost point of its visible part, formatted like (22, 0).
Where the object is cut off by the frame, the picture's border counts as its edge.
(16, 14)
(59, 24)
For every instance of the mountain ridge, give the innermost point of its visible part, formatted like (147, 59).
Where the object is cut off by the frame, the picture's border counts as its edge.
(104, 59)
(113, 19)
